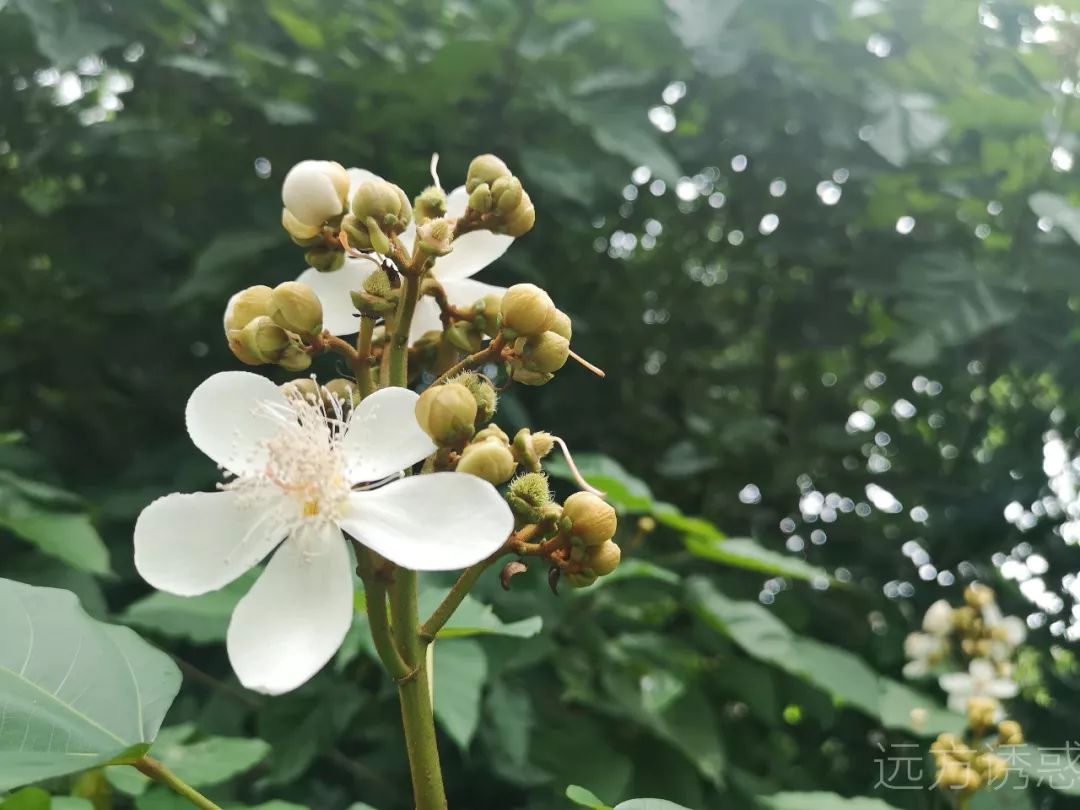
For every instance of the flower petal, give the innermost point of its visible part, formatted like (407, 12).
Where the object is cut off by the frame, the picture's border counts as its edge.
(981, 670)
(437, 522)
(356, 177)
(456, 202)
(426, 317)
(227, 419)
(192, 544)
(957, 683)
(296, 615)
(408, 236)
(462, 292)
(339, 314)
(472, 253)
(383, 436)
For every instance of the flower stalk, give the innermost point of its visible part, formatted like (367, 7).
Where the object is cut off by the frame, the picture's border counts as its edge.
(157, 771)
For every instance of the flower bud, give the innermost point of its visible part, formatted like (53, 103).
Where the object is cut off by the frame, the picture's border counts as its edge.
(484, 394)
(384, 202)
(992, 767)
(314, 191)
(239, 350)
(464, 336)
(429, 204)
(532, 488)
(581, 579)
(264, 340)
(561, 325)
(978, 595)
(506, 193)
(346, 392)
(958, 776)
(297, 229)
(530, 447)
(434, 237)
(247, 305)
(447, 413)
(490, 460)
(295, 358)
(981, 712)
(547, 352)
(604, 558)
(542, 443)
(1010, 733)
(325, 259)
(487, 314)
(485, 169)
(480, 199)
(592, 519)
(527, 310)
(295, 306)
(356, 231)
(526, 377)
(521, 220)
(304, 389)
(938, 619)
(492, 431)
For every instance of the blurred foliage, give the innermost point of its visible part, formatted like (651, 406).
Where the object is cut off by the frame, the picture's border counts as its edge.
(824, 249)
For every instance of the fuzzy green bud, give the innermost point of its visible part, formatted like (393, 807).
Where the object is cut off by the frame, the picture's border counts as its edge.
(480, 198)
(447, 413)
(264, 340)
(325, 259)
(592, 519)
(489, 459)
(384, 202)
(483, 392)
(506, 192)
(604, 558)
(295, 307)
(527, 310)
(247, 305)
(546, 353)
(429, 204)
(485, 169)
(521, 220)
(435, 237)
(532, 488)
(378, 284)
(562, 325)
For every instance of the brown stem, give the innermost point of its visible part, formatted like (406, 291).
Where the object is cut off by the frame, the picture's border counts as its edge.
(492, 351)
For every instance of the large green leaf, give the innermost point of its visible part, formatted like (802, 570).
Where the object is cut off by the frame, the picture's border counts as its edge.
(460, 673)
(649, 804)
(585, 798)
(819, 801)
(839, 673)
(747, 554)
(473, 618)
(201, 619)
(53, 521)
(75, 692)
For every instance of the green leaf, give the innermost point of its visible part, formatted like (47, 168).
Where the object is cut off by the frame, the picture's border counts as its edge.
(747, 554)
(61, 35)
(130, 781)
(1055, 208)
(649, 804)
(703, 27)
(1051, 766)
(837, 672)
(905, 124)
(819, 801)
(300, 27)
(585, 798)
(460, 673)
(201, 619)
(71, 803)
(360, 806)
(473, 618)
(43, 516)
(76, 693)
(608, 475)
(30, 798)
(218, 265)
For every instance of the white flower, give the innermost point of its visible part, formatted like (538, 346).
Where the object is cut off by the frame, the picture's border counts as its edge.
(924, 650)
(295, 470)
(472, 253)
(938, 619)
(1006, 632)
(314, 190)
(981, 680)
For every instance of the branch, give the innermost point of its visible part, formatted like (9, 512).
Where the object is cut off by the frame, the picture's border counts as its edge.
(493, 351)
(159, 773)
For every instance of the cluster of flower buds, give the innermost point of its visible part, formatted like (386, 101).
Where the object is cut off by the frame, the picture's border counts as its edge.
(274, 325)
(498, 198)
(971, 649)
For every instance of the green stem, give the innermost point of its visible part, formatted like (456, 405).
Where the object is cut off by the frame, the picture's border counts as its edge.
(375, 592)
(364, 378)
(454, 597)
(399, 340)
(159, 773)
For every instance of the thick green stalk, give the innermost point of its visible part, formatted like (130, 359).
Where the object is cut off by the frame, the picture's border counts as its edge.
(159, 773)
(364, 378)
(399, 340)
(454, 598)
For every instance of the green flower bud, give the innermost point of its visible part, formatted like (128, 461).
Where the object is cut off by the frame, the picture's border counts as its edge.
(487, 314)
(297, 229)
(264, 340)
(604, 558)
(447, 413)
(356, 232)
(480, 199)
(483, 392)
(958, 776)
(592, 518)
(235, 338)
(484, 169)
(1010, 733)
(430, 204)
(492, 431)
(325, 259)
(521, 220)
(532, 488)
(581, 579)
(314, 191)
(527, 310)
(247, 305)
(507, 194)
(562, 325)
(435, 236)
(305, 389)
(526, 377)
(384, 202)
(378, 283)
(295, 358)
(379, 240)
(464, 336)
(345, 391)
(547, 352)
(980, 712)
(490, 460)
(296, 308)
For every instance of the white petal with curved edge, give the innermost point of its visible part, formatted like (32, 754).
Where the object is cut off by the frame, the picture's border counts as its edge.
(463, 292)
(438, 522)
(456, 202)
(339, 315)
(296, 615)
(383, 436)
(472, 253)
(956, 683)
(408, 236)
(425, 318)
(193, 544)
(228, 419)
